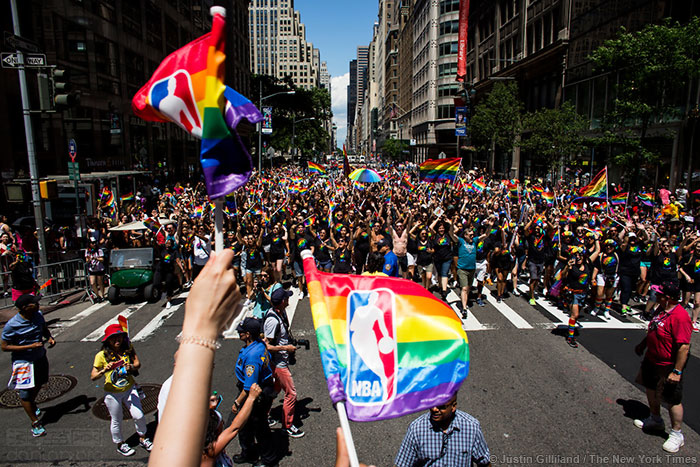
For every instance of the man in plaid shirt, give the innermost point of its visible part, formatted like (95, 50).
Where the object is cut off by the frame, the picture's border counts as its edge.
(444, 436)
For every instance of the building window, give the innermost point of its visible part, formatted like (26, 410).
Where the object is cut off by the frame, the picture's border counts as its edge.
(448, 6)
(448, 48)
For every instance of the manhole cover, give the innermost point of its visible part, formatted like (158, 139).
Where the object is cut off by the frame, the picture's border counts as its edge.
(149, 404)
(57, 386)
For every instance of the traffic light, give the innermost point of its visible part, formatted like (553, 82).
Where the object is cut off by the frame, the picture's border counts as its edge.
(63, 98)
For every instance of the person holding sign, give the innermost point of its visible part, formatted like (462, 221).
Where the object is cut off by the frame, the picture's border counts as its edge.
(24, 335)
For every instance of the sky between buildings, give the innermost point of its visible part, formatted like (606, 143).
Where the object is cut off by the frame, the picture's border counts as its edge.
(336, 28)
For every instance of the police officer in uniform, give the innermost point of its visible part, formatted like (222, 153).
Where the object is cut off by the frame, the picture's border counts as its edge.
(253, 366)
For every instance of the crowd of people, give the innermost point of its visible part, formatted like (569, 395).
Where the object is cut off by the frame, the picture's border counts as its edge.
(529, 238)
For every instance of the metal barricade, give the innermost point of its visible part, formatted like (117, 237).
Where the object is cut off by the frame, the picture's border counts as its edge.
(58, 279)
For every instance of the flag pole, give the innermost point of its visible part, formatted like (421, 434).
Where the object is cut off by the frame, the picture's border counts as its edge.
(219, 224)
(345, 425)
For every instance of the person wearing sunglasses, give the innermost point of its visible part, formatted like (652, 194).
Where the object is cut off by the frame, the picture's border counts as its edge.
(667, 346)
(444, 436)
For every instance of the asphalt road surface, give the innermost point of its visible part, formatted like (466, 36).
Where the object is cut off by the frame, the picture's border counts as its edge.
(539, 401)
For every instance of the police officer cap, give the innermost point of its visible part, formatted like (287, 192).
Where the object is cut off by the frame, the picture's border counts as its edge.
(250, 325)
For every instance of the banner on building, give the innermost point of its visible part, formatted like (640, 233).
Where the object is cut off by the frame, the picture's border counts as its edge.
(460, 121)
(462, 40)
(267, 121)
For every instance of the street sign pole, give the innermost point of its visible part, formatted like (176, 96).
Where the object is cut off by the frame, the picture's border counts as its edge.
(29, 135)
(74, 170)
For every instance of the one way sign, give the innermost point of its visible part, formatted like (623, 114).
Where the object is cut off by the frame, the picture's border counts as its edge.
(11, 60)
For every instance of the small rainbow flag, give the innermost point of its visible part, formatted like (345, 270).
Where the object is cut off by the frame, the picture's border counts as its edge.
(598, 188)
(646, 199)
(316, 169)
(618, 199)
(479, 185)
(538, 189)
(124, 323)
(198, 211)
(439, 170)
(310, 221)
(405, 183)
(388, 346)
(127, 197)
(152, 224)
(548, 196)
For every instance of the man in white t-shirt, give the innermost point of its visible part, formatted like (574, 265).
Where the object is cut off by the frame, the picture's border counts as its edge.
(202, 250)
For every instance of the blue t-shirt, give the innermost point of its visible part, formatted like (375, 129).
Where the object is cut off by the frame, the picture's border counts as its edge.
(467, 254)
(391, 265)
(261, 303)
(19, 331)
(253, 365)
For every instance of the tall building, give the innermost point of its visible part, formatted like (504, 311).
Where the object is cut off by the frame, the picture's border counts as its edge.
(278, 45)
(362, 66)
(404, 103)
(351, 104)
(324, 77)
(111, 49)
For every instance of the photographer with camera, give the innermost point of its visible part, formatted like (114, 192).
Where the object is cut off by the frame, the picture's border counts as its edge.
(265, 285)
(282, 347)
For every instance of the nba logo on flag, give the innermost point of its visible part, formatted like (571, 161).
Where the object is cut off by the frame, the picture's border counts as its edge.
(173, 96)
(372, 353)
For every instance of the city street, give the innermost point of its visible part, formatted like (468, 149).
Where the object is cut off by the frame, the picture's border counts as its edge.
(539, 401)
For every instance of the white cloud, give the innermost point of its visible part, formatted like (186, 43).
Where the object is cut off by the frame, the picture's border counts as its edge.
(339, 100)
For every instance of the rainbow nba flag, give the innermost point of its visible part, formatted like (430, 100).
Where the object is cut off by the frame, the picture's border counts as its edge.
(439, 170)
(647, 199)
(316, 169)
(598, 188)
(388, 347)
(188, 89)
(618, 199)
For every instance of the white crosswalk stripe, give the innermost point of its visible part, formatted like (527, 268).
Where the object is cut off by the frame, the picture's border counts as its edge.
(483, 320)
(98, 333)
(517, 320)
(563, 317)
(149, 329)
(58, 328)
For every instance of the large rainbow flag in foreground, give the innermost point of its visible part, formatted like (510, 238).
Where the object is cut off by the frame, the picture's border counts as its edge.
(439, 170)
(388, 346)
(188, 89)
(598, 188)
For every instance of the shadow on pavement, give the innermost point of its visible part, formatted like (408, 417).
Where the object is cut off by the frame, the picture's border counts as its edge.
(76, 405)
(634, 409)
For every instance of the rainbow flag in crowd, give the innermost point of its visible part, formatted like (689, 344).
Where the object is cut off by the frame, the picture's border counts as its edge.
(188, 89)
(548, 196)
(407, 184)
(107, 197)
(646, 199)
(538, 189)
(479, 185)
(598, 188)
(316, 169)
(198, 211)
(127, 197)
(388, 346)
(151, 224)
(439, 170)
(310, 221)
(618, 199)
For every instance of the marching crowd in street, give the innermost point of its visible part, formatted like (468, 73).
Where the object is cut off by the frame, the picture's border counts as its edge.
(624, 254)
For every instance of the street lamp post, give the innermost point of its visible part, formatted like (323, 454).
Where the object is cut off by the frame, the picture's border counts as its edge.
(260, 101)
(294, 120)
